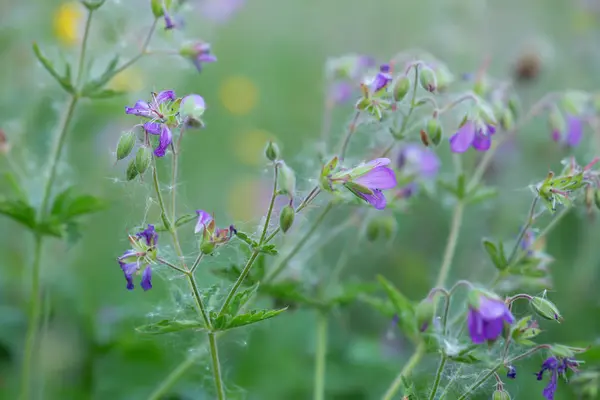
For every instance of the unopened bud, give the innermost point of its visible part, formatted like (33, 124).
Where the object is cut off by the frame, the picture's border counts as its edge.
(574, 102)
(546, 309)
(507, 121)
(92, 5)
(125, 145)
(207, 247)
(132, 171)
(143, 158)
(556, 121)
(443, 77)
(286, 218)
(424, 312)
(401, 88)
(385, 226)
(287, 179)
(434, 130)
(514, 105)
(191, 109)
(159, 7)
(424, 138)
(372, 230)
(597, 198)
(427, 79)
(272, 151)
(500, 395)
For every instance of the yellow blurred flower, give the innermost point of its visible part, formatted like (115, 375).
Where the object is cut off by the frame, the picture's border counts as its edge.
(129, 80)
(239, 95)
(249, 146)
(584, 20)
(67, 23)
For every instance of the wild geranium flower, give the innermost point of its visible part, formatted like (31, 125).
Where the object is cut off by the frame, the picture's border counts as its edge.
(555, 366)
(140, 256)
(162, 113)
(573, 134)
(198, 53)
(472, 133)
(382, 79)
(211, 235)
(367, 181)
(487, 316)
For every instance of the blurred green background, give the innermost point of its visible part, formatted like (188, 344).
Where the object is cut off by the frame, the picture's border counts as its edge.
(269, 84)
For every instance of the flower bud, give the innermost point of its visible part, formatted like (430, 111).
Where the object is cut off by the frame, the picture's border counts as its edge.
(443, 77)
(434, 131)
(287, 179)
(192, 108)
(424, 138)
(507, 121)
(556, 121)
(546, 309)
(272, 151)
(286, 218)
(207, 247)
(597, 198)
(372, 230)
(500, 395)
(401, 88)
(574, 102)
(514, 105)
(424, 312)
(159, 6)
(382, 225)
(125, 145)
(132, 171)
(427, 79)
(92, 5)
(143, 158)
(511, 373)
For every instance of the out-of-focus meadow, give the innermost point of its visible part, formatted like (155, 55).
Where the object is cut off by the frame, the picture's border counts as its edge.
(268, 83)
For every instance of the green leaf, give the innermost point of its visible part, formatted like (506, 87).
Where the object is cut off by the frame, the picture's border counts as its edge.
(184, 219)
(231, 273)
(245, 238)
(226, 321)
(66, 206)
(289, 293)
(348, 293)
(17, 190)
(496, 254)
(269, 249)
(19, 211)
(481, 194)
(64, 81)
(240, 299)
(94, 88)
(105, 94)
(385, 307)
(167, 326)
(404, 308)
(461, 186)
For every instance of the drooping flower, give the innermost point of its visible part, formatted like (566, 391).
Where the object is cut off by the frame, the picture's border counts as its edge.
(198, 53)
(555, 367)
(573, 131)
(211, 235)
(472, 134)
(140, 256)
(487, 316)
(367, 181)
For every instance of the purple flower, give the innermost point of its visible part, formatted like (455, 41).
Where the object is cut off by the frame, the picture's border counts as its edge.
(486, 318)
(340, 92)
(512, 372)
(377, 177)
(198, 53)
(220, 10)
(140, 256)
(574, 131)
(555, 367)
(382, 79)
(204, 219)
(154, 108)
(472, 134)
(211, 235)
(419, 160)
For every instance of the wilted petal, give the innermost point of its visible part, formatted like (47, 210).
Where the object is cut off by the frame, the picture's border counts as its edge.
(475, 325)
(574, 130)
(153, 128)
(141, 109)
(164, 141)
(463, 138)
(165, 95)
(147, 278)
(378, 178)
(377, 199)
(482, 142)
(203, 219)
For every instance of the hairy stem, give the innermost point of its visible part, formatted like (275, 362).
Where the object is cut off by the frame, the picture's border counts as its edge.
(438, 376)
(480, 382)
(451, 244)
(307, 200)
(527, 225)
(283, 263)
(143, 50)
(239, 282)
(173, 377)
(346, 141)
(271, 204)
(410, 365)
(321, 356)
(214, 355)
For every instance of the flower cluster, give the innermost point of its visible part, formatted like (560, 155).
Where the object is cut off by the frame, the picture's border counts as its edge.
(344, 74)
(140, 256)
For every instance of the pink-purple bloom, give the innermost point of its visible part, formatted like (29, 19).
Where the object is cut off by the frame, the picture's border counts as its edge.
(574, 131)
(487, 317)
(211, 235)
(555, 368)
(372, 178)
(141, 255)
(418, 160)
(382, 79)
(472, 134)
(199, 53)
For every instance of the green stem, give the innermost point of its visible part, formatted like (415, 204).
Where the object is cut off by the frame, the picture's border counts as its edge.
(527, 225)
(168, 264)
(282, 264)
(410, 365)
(480, 382)
(214, 355)
(239, 282)
(320, 356)
(346, 141)
(86, 34)
(173, 377)
(451, 244)
(438, 377)
(307, 200)
(271, 204)
(142, 52)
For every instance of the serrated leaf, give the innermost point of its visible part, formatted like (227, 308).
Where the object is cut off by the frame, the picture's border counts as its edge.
(496, 254)
(269, 249)
(66, 206)
(402, 305)
(168, 326)
(240, 299)
(227, 322)
(19, 211)
(47, 64)
(245, 238)
(289, 292)
(184, 219)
